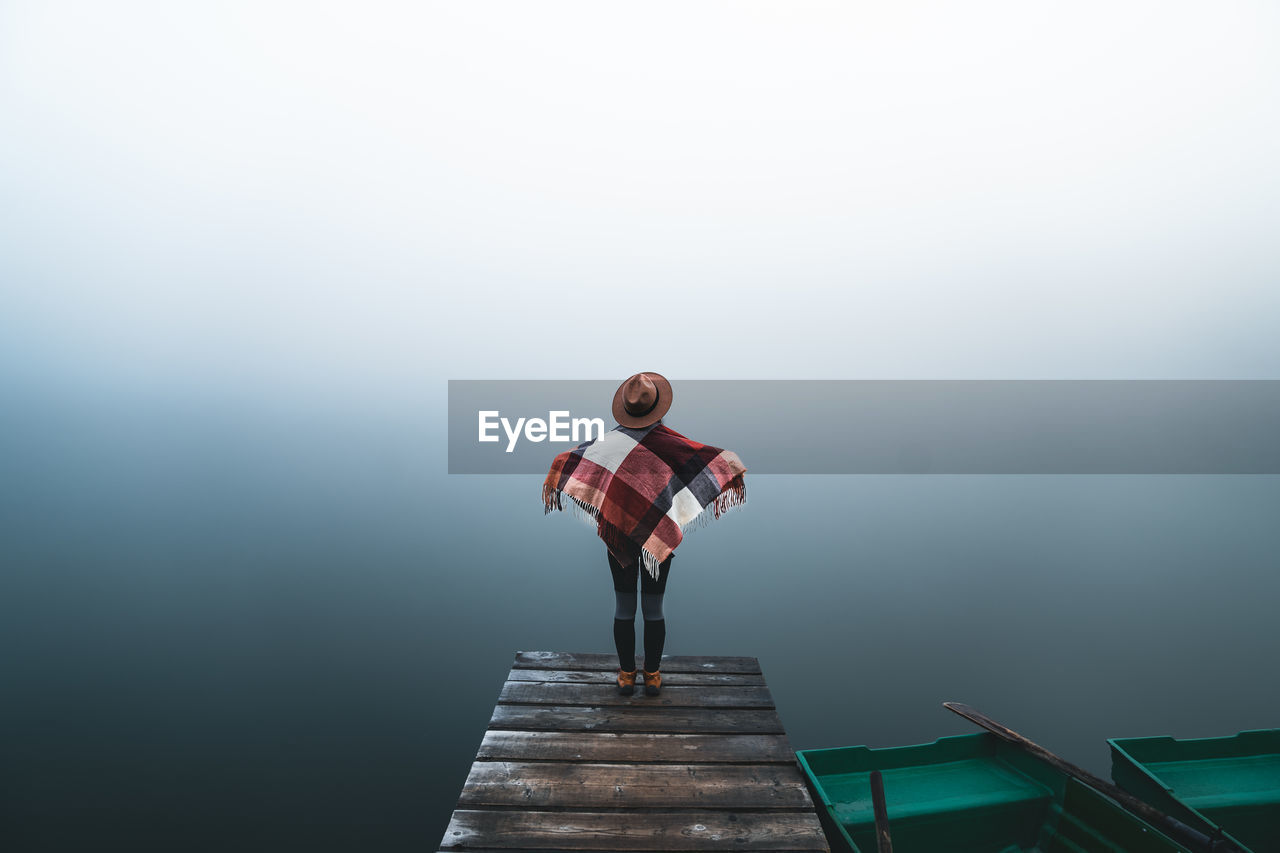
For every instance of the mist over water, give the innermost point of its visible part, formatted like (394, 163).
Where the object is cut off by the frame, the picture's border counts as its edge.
(273, 626)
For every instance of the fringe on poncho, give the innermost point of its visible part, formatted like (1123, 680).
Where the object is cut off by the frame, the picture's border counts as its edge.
(643, 488)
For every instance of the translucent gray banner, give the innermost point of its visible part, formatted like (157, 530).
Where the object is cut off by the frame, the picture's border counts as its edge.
(895, 426)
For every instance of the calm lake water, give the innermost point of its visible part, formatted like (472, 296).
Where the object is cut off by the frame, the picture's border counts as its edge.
(261, 628)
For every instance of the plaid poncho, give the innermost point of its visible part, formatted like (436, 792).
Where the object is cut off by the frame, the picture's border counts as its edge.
(645, 487)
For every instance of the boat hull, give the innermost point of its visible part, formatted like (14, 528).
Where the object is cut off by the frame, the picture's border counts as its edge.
(968, 794)
(1228, 784)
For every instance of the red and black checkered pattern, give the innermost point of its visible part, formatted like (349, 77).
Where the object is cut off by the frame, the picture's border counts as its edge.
(645, 487)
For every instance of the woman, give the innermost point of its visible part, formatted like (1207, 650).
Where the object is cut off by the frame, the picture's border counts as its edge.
(644, 484)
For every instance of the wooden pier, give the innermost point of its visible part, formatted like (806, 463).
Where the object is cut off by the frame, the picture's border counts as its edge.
(569, 764)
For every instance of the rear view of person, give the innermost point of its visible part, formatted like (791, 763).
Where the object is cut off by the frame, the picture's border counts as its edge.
(644, 484)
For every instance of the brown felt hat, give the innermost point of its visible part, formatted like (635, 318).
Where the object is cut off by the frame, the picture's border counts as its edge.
(642, 400)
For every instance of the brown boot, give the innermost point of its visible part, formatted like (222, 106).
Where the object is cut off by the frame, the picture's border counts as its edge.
(626, 682)
(652, 683)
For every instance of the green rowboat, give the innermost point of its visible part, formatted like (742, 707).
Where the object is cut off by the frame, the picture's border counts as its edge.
(1227, 784)
(968, 794)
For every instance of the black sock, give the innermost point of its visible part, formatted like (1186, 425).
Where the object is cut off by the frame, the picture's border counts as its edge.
(655, 634)
(624, 637)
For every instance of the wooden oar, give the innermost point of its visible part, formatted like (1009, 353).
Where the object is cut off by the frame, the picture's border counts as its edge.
(1178, 830)
(884, 844)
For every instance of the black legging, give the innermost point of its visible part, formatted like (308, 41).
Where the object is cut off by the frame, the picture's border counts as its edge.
(624, 615)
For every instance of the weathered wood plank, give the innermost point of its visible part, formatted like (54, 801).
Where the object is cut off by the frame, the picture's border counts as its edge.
(635, 746)
(609, 663)
(569, 764)
(635, 718)
(559, 784)
(648, 830)
(674, 695)
(591, 676)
